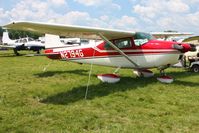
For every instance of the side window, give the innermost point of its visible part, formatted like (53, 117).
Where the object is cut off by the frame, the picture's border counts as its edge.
(107, 46)
(30, 39)
(120, 43)
(123, 43)
(24, 40)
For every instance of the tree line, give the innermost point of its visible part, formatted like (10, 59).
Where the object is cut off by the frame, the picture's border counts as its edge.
(16, 34)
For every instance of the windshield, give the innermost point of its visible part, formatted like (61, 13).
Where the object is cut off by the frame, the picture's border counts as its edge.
(141, 38)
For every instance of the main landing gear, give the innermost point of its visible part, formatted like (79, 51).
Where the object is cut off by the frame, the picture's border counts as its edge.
(16, 52)
(147, 73)
(110, 78)
(114, 78)
(164, 78)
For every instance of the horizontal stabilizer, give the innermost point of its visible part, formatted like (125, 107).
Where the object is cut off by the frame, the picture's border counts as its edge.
(47, 54)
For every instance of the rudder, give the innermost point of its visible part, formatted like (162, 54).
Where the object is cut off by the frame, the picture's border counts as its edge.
(6, 39)
(52, 41)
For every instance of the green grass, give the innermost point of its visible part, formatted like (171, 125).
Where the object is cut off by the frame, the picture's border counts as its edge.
(33, 100)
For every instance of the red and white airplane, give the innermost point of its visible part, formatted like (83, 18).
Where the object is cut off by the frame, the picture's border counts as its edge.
(120, 49)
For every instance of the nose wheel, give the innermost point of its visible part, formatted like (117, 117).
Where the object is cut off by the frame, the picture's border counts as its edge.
(164, 78)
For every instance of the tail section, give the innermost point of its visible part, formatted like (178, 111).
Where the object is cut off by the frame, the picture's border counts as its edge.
(6, 39)
(52, 41)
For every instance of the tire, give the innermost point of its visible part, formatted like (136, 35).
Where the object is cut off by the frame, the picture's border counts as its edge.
(16, 52)
(195, 68)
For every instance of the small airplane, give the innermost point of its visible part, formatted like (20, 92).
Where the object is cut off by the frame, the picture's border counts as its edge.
(70, 41)
(21, 44)
(116, 48)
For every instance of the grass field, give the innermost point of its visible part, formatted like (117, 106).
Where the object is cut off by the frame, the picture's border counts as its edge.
(34, 100)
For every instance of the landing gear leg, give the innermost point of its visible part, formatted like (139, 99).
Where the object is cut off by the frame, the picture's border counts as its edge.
(162, 73)
(143, 73)
(38, 52)
(15, 51)
(116, 70)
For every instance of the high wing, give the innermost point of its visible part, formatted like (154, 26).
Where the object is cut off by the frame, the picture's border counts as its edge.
(169, 34)
(70, 30)
(76, 31)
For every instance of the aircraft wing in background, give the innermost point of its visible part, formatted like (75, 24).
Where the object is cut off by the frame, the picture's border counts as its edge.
(166, 35)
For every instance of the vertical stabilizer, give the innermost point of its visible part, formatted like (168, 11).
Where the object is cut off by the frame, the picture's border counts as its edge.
(6, 39)
(52, 41)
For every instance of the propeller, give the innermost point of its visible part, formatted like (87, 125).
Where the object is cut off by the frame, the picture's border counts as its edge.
(178, 47)
(193, 47)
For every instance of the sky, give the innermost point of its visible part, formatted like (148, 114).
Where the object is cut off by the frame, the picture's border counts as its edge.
(133, 15)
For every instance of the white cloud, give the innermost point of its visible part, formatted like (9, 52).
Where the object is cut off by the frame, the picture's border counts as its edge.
(90, 2)
(58, 2)
(154, 8)
(116, 6)
(151, 15)
(73, 17)
(84, 18)
(125, 22)
(2, 13)
(104, 18)
(36, 10)
(98, 3)
(149, 12)
(165, 23)
(193, 1)
(42, 11)
(193, 19)
(177, 6)
(155, 15)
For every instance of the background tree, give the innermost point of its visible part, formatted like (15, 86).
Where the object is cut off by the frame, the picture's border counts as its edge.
(16, 34)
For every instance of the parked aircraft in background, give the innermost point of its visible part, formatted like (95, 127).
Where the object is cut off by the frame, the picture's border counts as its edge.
(69, 41)
(21, 44)
(194, 40)
(122, 49)
(171, 36)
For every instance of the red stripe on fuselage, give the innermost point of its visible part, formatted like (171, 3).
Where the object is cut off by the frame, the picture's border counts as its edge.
(152, 47)
(92, 53)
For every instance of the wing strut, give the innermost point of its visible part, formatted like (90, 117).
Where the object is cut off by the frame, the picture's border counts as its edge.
(118, 50)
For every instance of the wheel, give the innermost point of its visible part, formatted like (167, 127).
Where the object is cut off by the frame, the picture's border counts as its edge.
(15, 51)
(195, 68)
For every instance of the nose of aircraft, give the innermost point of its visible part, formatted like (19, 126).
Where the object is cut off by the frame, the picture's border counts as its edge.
(184, 47)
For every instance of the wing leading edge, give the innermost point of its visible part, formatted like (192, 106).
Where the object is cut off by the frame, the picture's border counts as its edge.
(70, 30)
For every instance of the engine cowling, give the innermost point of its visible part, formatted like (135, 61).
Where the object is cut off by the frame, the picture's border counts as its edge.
(184, 47)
